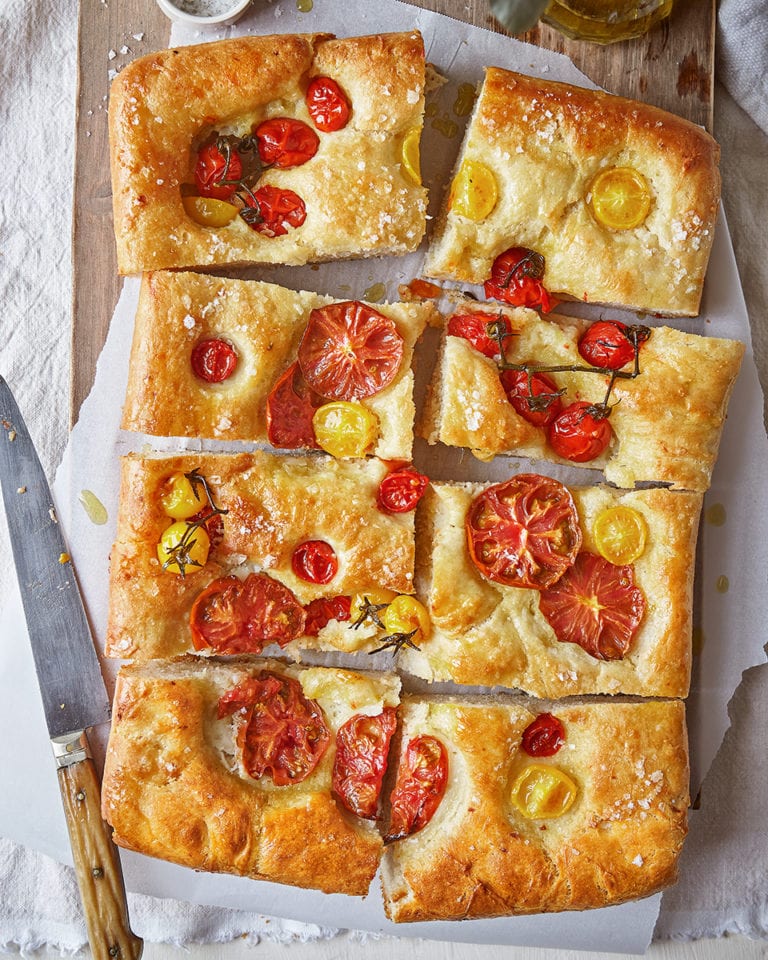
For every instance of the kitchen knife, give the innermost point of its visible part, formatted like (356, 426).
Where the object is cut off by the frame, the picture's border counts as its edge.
(74, 697)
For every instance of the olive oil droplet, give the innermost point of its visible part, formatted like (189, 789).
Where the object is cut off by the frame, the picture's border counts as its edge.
(97, 512)
(715, 515)
(375, 293)
(465, 100)
(304, 6)
(446, 126)
(722, 584)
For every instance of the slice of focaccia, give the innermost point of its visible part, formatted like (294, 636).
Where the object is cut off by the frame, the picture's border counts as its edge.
(270, 149)
(227, 554)
(557, 591)
(618, 197)
(234, 359)
(566, 808)
(248, 767)
(641, 403)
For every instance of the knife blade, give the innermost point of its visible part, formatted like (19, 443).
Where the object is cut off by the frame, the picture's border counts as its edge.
(68, 672)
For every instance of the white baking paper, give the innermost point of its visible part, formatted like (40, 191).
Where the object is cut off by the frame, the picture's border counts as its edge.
(730, 622)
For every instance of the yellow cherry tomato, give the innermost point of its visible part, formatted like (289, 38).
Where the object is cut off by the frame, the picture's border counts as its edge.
(542, 792)
(183, 548)
(410, 156)
(474, 192)
(345, 429)
(179, 498)
(620, 198)
(405, 614)
(376, 597)
(620, 534)
(208, 211)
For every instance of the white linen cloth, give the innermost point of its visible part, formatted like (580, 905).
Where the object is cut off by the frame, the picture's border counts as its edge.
(726, 857)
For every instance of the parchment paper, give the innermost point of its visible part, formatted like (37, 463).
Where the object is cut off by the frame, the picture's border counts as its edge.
(730, 623)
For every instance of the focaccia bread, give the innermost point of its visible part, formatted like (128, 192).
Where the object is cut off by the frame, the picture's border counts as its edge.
(664, 424)
(263, 537)
(211, 356)
(538, 170)
(599, 822)
(218, 780)
(358, 192)
(562, 592)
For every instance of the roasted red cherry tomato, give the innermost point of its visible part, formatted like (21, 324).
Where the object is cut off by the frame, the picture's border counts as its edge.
(421, 780)
(315, 561)
(243, 616)
(474, 327)
(275, 211)
(284, 734)
(596, 605)
(544, 736)
(284, 142)
(290, 408)
(214, 360)
(580, 433)
(321, 611)
(401, 490)
(536, 397)
(362, 746)
(524, 532)
(349, 351)
(211, 169)
(327, 105)
(516, 278)
(611, 344)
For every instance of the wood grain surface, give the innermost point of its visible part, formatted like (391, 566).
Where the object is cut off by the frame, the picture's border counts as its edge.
(672, 67)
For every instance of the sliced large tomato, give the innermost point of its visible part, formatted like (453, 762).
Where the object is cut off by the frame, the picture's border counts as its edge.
(596, 605)
(290, 408)
(284, 734)
(349, 351)
(324, 609)
(524, 532)
(362, 746)
(421, 780)
(243, 616)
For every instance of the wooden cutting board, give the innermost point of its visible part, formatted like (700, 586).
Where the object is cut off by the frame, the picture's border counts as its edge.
(672, 67)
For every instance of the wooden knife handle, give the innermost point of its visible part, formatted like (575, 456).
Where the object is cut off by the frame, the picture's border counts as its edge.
(97, 865)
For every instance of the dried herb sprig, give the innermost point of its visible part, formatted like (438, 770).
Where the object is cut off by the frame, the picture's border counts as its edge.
(370, 612)
(396, 641)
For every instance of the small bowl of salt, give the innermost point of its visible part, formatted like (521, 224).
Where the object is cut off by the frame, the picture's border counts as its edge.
(204, 12)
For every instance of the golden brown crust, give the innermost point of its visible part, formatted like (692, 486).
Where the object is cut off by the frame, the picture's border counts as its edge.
(485, 633)
(479, 857)
(667, 422)
(274, 504)
(264, 322)
(545, 142)
(359, 203)
(172, 787)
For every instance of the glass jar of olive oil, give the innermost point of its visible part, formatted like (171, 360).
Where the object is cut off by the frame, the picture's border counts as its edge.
(605, 21)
